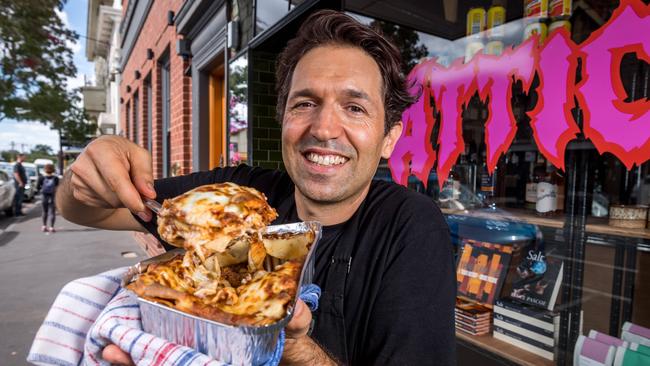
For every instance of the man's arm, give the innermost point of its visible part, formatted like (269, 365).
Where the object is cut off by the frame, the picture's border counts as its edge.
(299, 348)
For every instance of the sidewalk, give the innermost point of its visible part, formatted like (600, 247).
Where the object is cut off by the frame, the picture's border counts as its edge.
(34, 266)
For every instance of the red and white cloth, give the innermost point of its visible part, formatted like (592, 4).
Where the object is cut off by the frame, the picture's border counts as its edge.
(90, 313)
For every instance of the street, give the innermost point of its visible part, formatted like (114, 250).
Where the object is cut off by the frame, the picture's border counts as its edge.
(34, 266)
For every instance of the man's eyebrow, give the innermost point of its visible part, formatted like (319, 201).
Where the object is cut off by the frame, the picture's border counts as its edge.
(357, 94)
(307, 93)
(350, 93)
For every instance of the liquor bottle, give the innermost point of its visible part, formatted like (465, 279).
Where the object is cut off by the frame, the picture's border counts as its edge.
(546, 194)
(531, 186)
(488, 181)
(558, 180)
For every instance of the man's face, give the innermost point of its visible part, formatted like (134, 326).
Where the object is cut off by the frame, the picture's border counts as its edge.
(333, 126)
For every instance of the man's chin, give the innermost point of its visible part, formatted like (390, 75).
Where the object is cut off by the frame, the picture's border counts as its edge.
(322, 195)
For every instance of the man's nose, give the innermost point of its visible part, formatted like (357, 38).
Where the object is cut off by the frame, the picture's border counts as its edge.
(327, 124)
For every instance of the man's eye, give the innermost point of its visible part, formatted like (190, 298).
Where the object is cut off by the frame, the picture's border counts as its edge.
(356, 109)
(304, 105)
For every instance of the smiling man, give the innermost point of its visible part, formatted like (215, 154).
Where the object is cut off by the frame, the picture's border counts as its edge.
(385, 261)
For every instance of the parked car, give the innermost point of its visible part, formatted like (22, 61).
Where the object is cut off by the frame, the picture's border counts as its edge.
(32, 180)
(7, 192)
(32, 177)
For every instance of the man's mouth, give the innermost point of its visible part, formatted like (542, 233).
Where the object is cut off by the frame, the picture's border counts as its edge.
(325, 159)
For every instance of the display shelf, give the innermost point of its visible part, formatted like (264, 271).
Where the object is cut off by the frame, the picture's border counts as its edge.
(503, 349)
(600, 226)
(594, 225)
(511, 214)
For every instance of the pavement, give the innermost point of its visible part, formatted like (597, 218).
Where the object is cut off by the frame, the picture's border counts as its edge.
(34, 266)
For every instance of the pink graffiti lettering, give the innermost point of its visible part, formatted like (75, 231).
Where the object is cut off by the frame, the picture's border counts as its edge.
(612, 124)
(413, 153)
(452, 88)
(551, 119)
(495, 78)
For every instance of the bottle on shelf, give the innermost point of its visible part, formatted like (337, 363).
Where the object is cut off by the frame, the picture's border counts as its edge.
(557, 178)
(488, 182)
(531, 185)
(546, 193)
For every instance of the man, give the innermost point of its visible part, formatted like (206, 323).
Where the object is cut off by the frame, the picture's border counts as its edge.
(385, 261)
(20, 179)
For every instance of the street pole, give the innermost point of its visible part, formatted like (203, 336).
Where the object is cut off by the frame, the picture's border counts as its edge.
(60, 154)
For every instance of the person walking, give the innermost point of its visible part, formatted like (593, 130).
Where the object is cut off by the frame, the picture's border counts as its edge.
(20, 179)
(47, 184)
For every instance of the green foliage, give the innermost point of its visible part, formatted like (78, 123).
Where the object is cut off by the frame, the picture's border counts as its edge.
(35, 65)
(406, 40)
(42, 149)
(10, 155)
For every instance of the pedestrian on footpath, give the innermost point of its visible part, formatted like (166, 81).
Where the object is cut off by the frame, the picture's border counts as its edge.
(20, 179)
(47, 184)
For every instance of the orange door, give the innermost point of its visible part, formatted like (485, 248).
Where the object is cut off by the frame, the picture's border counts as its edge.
(217, 118)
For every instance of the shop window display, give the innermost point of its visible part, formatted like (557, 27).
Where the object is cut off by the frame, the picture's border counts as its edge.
(532, 132)
(238, 111)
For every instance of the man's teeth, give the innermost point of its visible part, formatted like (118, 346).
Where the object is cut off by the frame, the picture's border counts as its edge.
(326, 159)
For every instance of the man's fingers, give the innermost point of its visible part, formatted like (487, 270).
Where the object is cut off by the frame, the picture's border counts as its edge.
(299, 324)
(118, 180)
(116, 356)
(141, 172)
(93, 184)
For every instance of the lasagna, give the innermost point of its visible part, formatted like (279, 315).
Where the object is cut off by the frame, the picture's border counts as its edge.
(233, 271)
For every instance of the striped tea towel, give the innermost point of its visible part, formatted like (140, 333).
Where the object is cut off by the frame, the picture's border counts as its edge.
(91, 312)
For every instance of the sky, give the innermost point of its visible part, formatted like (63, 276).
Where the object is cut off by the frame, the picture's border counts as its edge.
(26, 135)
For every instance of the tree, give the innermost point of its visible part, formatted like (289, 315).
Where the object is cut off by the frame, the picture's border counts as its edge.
(35, 61)
(42, 149)
(407, 41)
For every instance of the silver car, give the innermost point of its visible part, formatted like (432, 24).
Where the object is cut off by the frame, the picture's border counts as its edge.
(32, 177)
(32, 180)
(7, 192)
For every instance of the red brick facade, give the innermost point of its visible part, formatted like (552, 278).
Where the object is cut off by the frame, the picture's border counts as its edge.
(160, 38)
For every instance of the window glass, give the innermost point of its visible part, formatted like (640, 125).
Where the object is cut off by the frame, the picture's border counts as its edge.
(238, 111)
(268, 12)
(528, 135)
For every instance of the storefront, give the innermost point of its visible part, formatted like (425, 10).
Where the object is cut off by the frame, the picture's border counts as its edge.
(532, 133)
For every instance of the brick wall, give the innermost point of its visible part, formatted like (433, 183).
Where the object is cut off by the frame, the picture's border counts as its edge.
(267, 150)
(161, 38)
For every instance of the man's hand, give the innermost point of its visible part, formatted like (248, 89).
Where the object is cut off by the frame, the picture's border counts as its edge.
(112, 173)
(300, 349)
(116, 356)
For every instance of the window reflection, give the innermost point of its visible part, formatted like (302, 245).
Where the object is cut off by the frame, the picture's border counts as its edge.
(238, 111)
(269, 12)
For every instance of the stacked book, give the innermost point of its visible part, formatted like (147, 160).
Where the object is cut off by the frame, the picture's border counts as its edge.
(472, 318)
(527, 327)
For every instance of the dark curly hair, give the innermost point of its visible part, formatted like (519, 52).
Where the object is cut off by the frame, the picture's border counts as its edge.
(327, 27)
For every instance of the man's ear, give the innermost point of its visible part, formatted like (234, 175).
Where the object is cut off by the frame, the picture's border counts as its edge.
(391, 139)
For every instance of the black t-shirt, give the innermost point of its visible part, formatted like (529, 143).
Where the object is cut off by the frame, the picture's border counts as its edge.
(399, 297)
(20, 169)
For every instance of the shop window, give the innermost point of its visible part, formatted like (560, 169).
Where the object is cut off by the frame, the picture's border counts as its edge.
(149, 101)
(166, 118)
(238, 115)
(532, 134)
(136, 120)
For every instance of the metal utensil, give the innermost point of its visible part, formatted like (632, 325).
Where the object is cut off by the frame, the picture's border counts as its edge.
(152, 205)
